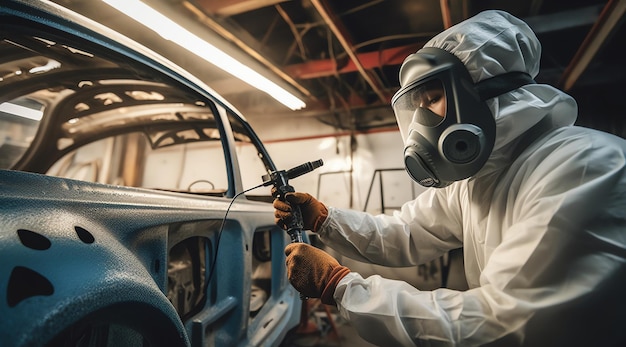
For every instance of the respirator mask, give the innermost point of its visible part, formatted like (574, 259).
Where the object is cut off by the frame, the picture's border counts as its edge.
(447, 128)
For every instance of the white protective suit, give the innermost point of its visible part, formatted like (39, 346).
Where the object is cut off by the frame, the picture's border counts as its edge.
(542, 224)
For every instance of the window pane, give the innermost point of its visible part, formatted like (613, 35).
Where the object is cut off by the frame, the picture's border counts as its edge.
(19, 121)
(129, 160)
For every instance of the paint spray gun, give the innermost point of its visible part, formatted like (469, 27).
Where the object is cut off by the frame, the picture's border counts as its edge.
(280, 180)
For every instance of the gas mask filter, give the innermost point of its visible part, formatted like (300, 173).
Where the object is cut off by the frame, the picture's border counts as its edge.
(447, 128)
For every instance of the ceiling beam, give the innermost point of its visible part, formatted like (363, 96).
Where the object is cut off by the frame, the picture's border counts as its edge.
(344, 39)
(216, 27)
(369, 60)
(608, 20)
(563, 20)
(234, 7)
(445, 14)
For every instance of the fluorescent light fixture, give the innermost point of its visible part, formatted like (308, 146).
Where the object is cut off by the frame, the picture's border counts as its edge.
(171, 31)
(21, 111)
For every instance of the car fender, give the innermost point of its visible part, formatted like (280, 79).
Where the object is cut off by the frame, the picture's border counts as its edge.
(57, 269)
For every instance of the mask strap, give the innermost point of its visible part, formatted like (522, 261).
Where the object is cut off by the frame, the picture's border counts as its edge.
(498, 85)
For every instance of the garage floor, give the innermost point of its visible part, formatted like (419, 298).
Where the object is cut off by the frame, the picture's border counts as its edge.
(325, 328)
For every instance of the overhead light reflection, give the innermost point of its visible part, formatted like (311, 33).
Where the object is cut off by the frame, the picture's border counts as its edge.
(50, 65)
(21, 111)
(171, 31)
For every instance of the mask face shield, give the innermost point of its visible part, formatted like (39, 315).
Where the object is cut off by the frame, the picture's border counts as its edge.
(422, 103)
(447, 130)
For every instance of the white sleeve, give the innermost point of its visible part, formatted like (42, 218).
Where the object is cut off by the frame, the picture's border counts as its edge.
(555, 278)
(414, 235)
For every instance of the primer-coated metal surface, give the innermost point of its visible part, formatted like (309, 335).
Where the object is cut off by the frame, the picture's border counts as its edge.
(100, 262)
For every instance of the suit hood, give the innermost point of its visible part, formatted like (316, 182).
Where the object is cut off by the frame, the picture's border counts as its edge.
(490, 44)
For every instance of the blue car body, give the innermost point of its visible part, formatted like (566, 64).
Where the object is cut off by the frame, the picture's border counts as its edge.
(87, 263)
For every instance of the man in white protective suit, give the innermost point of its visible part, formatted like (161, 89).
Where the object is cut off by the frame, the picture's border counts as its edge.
(538, 205)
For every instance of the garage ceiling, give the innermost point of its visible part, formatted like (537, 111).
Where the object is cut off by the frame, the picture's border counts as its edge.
(342, 57)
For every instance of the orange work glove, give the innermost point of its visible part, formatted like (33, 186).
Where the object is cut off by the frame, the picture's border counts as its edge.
(314, 213)
(313, 272)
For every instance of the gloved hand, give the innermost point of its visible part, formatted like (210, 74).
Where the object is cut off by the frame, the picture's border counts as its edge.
(313, 272)
(314, 213)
